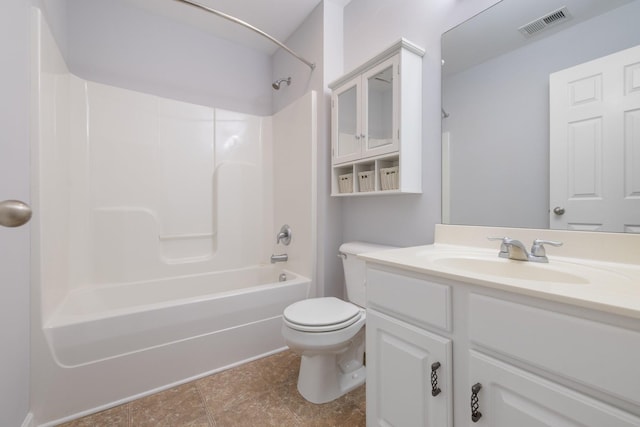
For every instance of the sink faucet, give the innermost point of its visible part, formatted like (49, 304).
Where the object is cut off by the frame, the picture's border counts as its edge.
(515, 249)
(279, 258)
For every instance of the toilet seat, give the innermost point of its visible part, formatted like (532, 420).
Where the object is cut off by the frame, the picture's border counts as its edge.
(321, 314)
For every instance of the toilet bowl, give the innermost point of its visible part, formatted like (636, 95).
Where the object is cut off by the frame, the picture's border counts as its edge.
(329, 333)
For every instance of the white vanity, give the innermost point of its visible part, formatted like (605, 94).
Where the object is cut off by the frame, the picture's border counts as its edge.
(457, 336)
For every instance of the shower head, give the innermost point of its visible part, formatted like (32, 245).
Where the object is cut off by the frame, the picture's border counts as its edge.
(277, 83)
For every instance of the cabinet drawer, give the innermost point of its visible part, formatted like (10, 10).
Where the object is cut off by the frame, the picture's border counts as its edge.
(417, 301)
(598, 355)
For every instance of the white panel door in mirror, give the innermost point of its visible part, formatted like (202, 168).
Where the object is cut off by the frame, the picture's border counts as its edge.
(595, 144)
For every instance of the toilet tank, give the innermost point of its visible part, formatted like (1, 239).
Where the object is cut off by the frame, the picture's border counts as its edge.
(354, 269)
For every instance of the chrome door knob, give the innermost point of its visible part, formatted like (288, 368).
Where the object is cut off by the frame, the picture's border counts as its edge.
(14, 213)
(558, 210)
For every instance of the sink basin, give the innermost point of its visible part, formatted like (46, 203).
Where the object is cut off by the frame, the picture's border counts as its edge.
(507, 268)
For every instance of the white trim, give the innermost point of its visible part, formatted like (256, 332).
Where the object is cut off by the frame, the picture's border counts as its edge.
(446, 178)
(387, 53)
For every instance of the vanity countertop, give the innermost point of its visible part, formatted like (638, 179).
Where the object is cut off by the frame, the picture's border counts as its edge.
(592, 270)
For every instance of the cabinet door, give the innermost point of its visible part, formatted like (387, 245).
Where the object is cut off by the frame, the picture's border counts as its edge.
(346, 126)
(399, 365)
(512, 397)
(381, 108)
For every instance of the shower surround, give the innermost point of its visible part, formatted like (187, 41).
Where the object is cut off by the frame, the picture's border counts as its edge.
(154, 222)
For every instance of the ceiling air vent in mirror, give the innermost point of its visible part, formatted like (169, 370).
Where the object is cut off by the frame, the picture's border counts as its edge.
(548, 20)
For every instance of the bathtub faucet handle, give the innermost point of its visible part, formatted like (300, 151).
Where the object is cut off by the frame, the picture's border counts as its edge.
(284, 235)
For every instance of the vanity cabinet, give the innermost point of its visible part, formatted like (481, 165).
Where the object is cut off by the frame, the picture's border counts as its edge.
(409, 367)
(505, 359)
(376, 116)
(408, 374)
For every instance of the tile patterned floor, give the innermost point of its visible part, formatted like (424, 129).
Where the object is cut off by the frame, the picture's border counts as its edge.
(259, 393)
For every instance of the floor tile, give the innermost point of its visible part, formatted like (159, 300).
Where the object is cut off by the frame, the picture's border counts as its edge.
(179, 406)
(334, 413)
(266, 410)
(115, 417)
(231, 387)
(260, 393)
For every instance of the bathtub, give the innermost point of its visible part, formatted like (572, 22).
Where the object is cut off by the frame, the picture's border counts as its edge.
(100, 323)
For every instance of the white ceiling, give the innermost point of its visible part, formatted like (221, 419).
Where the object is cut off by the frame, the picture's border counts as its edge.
(278, 18)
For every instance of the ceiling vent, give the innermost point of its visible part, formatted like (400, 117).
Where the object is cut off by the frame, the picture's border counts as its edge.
(550, 19)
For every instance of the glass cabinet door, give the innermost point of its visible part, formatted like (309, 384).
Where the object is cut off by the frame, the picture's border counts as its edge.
(380, 130)
(346, 120)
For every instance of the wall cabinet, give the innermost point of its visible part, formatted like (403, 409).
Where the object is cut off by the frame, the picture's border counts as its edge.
(376, 124)
(519, 361)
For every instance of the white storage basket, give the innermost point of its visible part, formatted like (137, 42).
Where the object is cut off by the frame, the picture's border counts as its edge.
(366, 179)
(389, 178)
(345, 183)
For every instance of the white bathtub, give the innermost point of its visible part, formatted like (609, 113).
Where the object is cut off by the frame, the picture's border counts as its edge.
(96, 324)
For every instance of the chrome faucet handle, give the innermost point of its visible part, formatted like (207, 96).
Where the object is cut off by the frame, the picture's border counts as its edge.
(504, 240)
(504, 251)
(537, 249)
(284, 236)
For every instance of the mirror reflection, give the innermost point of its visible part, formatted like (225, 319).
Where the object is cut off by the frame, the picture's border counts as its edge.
(521, 152)
(348, 140)
(372, 129)
(380, 108)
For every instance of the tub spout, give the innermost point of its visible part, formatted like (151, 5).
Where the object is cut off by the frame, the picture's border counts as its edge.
(279, 258)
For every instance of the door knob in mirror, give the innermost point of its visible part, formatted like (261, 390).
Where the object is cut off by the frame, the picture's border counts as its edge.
(14, 213)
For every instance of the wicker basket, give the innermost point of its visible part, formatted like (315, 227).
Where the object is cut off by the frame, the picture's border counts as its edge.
(389, 178)
(345, 183)
(366, 180)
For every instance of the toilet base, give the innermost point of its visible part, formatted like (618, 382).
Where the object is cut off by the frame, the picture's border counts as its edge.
(325, 377)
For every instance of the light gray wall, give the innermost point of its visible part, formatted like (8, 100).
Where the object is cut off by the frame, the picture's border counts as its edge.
(499, 122)
(115, 43)
(14, 184)
(318, 39)
(369, 27)
(330, 235)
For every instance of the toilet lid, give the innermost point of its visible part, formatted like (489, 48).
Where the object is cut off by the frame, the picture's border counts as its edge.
(321, 314)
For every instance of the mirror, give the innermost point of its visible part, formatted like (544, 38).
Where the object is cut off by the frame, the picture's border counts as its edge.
(380, 108)
(496, 107)
(372, 129)
(348, 142)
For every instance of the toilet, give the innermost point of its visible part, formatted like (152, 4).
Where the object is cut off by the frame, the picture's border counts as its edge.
(329, 333)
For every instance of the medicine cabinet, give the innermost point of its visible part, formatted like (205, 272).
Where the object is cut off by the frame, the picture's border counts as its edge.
(376, 125)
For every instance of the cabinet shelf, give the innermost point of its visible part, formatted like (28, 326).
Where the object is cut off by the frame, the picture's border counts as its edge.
(386, 177)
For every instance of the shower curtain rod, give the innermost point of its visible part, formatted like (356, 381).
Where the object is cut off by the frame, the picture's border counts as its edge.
(249, 26)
